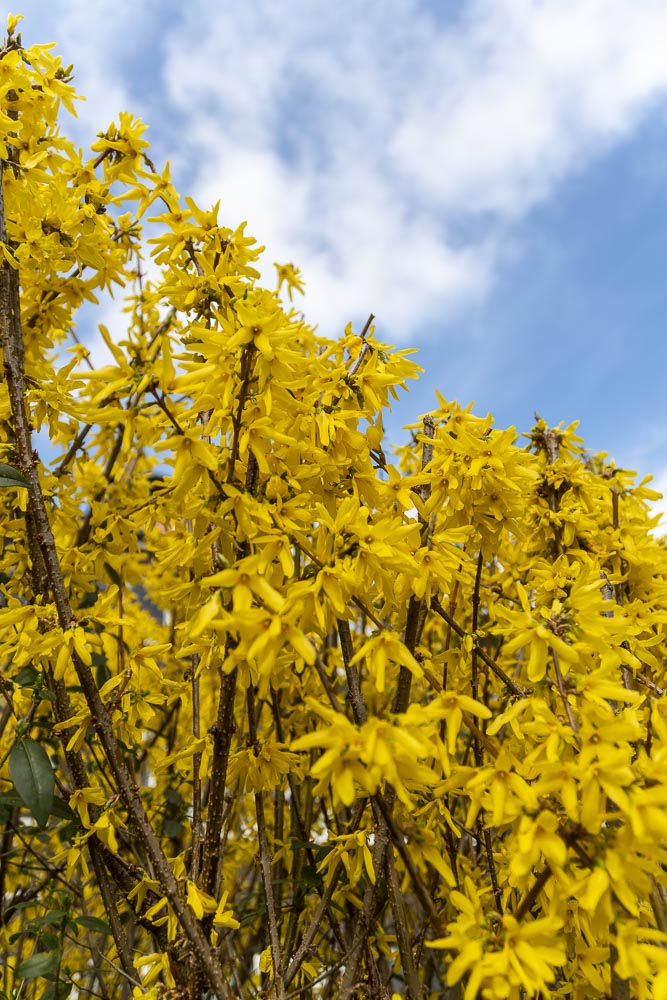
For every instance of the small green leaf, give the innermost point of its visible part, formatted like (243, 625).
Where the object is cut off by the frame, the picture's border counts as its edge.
(9, 476)
(94, 924)
(33, 778)
(38, 965)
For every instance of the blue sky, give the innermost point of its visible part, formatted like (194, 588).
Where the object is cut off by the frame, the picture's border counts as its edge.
(487, 177)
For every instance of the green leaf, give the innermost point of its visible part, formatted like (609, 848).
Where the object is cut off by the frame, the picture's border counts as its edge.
(173, 796)
(61, 809)
(10, 799)
(310, 876)
(33, 778)
(48, 941)
(27, 677)
(57, 991)
(38, 965)
(9, 476)
(113, 575)
(172, 828)
(94, 924)
(50, 918)
(102, 672)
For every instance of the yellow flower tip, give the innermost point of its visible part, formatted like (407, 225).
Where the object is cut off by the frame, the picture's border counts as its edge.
(289, 275)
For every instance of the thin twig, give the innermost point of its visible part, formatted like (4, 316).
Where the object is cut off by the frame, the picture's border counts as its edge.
(326, 683)
(265, 866)
(398, 840)
(121, 972)
(314, 925)
(111, 909)
(484, 656)
(560, 684)
(529, 900)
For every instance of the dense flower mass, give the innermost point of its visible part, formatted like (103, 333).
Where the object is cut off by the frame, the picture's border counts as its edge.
(284, 711)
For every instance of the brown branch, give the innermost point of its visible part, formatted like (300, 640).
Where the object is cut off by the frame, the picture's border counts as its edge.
(196, 824)
(302, 547)
(372, 906)
(84, 531)
(5, 848)
(318, 979)
(372, 902)
(111, 910)
(620, 988)
(12, 337)
(351, 672)
(414, 990)
(484, 834)
(303, 834)
(491, 864)
(222, 732)
(365, 348)
(162, 404)
(247, 363)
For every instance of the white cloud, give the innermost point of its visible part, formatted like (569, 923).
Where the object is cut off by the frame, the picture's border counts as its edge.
(364, 141)
(372, 141)
(524, 93)
(360, 253)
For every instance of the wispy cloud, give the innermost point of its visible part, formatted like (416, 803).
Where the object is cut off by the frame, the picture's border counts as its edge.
(525, 92)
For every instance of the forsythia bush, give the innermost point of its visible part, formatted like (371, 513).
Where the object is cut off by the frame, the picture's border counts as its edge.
(283, 713)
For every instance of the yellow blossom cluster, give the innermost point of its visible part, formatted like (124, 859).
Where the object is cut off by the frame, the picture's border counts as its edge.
(283, 710)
